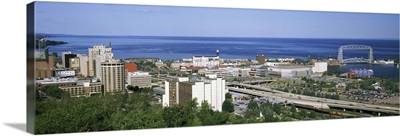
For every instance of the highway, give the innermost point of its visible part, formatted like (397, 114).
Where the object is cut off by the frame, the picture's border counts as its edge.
(309, 100)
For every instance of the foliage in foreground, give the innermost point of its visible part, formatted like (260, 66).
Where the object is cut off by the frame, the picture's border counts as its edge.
(139, 110)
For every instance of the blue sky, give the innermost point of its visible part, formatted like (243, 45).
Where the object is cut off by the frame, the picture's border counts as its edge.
(109, 19)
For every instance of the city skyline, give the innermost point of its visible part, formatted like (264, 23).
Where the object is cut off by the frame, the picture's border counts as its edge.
(112, 19)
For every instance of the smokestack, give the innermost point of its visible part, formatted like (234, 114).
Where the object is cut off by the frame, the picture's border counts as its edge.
(217, 53)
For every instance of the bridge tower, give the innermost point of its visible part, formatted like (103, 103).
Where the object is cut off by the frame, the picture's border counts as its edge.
(355, 60)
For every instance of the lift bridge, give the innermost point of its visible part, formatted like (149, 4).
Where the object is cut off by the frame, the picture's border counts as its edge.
(355, 60)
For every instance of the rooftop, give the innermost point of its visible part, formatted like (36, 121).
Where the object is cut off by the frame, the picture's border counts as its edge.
(56, 80)
(289, 66)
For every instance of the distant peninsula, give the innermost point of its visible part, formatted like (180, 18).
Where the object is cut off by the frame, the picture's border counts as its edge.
(49, 42)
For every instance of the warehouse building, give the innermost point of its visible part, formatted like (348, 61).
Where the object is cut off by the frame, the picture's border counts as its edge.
(290, 71)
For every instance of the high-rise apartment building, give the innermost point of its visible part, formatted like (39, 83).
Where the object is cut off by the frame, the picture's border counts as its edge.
(182, 90)
(113, 75)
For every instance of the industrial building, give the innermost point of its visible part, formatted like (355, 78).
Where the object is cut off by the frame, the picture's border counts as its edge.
(182, 90)
(140, 79)
(281, 59)
(222, 72)
(262, 71)
(206, 61)
(245, 72)
(276, 63)
(360, 73)
(320, 67)
(113, 75)
(289, 71)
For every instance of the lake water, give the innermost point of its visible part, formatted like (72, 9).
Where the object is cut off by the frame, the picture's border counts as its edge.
(186, 47)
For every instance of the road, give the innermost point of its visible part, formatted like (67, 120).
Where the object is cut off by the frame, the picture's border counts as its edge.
(309, 100)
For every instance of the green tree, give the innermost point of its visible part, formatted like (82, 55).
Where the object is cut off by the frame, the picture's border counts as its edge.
(252, 110)
(205, 114)
(277, 108)
(136, 89)
(173, 116)
(235, 119)
(312, 114)
(227, 106)
(252, 105)
(79, 115)
(138, 119)
(54, 92)
(293, 108)
(303, 113)
(196, 122)
(228, 96)
(130, 87)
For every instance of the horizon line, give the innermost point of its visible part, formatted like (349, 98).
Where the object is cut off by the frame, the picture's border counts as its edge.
(220, 36)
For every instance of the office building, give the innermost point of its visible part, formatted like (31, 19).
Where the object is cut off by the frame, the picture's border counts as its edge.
(113, 75)
(63, 58)
(140, 79)
(45, 66)
(83, 64)
(85, 89)
(97, 55)
(74, 63)
(67, 58)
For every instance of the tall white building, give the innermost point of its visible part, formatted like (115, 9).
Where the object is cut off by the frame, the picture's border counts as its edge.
(205, 61)
(83, 64)
(217, 87)
(113, 75)
(97, 55)
(211, 90)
